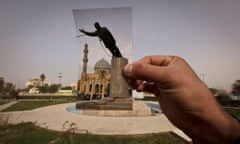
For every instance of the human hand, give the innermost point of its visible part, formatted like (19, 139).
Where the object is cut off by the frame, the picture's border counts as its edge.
(184, 98)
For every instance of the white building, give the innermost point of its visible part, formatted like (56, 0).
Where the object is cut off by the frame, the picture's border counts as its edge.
(34, 90)
(34, 82)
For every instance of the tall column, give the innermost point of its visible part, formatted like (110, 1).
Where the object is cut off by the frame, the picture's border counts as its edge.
(85, 60)
(118, 82)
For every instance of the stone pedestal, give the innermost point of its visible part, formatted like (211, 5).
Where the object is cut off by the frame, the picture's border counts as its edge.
(118, 82)
(139, 109)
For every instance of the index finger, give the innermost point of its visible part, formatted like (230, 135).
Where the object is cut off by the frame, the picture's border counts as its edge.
(158, 60)
(151, 68)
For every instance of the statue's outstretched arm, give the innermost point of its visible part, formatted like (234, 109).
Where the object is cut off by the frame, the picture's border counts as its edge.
(89, 33)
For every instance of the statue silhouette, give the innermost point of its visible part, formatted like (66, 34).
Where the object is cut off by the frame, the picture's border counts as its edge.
(104, 35)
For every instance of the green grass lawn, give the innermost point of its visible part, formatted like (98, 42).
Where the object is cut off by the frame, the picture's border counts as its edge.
(25, 133)
(233, 111)
(30, 105)
(28, 133)
(4, 102)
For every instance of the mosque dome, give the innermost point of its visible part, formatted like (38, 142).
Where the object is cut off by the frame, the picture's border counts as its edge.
(102, 65)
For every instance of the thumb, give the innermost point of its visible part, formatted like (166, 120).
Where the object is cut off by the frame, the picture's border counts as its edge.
(146, 72)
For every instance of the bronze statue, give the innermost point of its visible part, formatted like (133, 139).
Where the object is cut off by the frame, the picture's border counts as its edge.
(104, 35)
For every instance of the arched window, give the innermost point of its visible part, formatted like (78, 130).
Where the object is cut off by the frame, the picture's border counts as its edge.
(101, 87)
(90, 88)
(97, 88)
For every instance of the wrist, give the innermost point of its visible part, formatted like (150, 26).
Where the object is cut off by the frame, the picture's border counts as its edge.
(227, 128)
(218, 126)
(237, 141)
(235, 130)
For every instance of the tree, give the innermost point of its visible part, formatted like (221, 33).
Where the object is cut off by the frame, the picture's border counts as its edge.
(236, 88)
(43, 89)
(214, 91)
(223, 96)
(67, 88)
(53, 88)
(42, 77)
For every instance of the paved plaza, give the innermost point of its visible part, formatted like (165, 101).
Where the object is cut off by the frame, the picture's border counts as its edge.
(57, 118)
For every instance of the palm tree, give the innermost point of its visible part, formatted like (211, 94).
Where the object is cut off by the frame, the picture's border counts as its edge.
(42, 77)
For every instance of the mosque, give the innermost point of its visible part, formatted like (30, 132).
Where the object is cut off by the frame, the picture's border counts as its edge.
(97, 84)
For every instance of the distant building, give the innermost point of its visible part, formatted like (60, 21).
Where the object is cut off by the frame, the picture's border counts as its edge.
(65, 92)
(73, 86)
(97, 83)
(34, 83)
(34, 90)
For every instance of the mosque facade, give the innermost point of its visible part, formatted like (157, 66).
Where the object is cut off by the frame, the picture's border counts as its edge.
(97, 84)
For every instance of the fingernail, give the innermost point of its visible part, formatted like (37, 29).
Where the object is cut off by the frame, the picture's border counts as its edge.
(128, 68)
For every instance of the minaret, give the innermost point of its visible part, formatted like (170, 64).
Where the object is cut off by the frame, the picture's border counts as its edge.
(85, 60)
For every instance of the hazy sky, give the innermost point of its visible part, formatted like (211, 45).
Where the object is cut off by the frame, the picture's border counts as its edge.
(39, 36)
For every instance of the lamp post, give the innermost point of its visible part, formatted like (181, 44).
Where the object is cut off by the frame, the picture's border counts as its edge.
(60, 76)
(203, 76)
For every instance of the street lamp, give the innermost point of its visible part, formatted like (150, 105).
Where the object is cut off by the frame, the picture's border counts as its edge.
(60, 76)
(203, 76)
